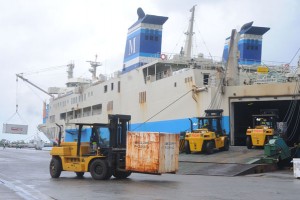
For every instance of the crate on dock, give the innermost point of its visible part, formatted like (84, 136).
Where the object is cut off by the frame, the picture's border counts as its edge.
(296, 167)
(152, 152)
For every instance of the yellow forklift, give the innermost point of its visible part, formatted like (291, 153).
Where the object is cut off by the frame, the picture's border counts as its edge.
(264, 127)
(209, 134)
(101, 160)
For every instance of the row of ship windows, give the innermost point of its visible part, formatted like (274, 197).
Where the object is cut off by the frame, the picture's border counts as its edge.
(91, 110)
(252, 47)
(142, 96)
(97, 109)
(151, 37)
(74, 100)
(83, 97)
(84, 112)
(190, 79)
(112, 87)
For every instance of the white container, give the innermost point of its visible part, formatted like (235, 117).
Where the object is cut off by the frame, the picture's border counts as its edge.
(296, 166)
(15, 129)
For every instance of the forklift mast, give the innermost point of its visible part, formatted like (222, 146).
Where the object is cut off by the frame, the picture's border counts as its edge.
(214, 112)
(118, 126)
(271, 115)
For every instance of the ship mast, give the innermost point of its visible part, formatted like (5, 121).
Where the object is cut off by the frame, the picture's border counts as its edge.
(94, 65)
(70, 70)
(189, 35)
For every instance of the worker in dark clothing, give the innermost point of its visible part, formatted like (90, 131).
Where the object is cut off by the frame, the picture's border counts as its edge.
(94, 139)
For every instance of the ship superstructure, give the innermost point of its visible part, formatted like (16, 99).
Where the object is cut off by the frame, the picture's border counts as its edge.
(161, 91)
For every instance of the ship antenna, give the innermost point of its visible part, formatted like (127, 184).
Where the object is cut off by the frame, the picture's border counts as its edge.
(70, 70)
(189, 35)
(94, 65)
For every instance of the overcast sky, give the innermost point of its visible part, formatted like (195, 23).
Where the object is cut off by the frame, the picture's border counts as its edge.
(39, 34)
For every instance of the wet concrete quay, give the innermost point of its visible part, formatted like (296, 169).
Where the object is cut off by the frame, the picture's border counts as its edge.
(24, 174)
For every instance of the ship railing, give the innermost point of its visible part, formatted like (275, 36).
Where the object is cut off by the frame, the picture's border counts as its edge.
(177, 58)
(106, 77)
(266, 81)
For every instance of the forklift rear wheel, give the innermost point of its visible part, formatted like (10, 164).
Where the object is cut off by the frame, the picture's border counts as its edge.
(187, 148)
(100, 170)
(209, 147)
(79, 174)
(55, 167)
(121, 175)
(249, 142)
(226, 144)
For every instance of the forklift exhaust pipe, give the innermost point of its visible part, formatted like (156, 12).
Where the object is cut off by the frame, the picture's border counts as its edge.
(191, 124)
(59, 135)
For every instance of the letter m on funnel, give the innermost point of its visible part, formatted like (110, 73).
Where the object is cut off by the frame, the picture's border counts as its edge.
(143, 43)
(131, 46)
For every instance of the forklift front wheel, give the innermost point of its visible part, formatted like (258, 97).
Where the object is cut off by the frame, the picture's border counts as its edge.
(249, 142)
(187, 148)
(209, 147)
(121, 175)
(100, 170)
(226, 144)
(55, 167)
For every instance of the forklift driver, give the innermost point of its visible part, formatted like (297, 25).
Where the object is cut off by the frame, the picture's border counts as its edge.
(94, 140)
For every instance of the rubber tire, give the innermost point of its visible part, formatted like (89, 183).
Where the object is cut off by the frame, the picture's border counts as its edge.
(55, 167)
(100, 170)
(203, 149)
(226, 144)
(187, 148)
(79, 174)
(121, 175)
(249, 142)
(109, 174)
(209, 147)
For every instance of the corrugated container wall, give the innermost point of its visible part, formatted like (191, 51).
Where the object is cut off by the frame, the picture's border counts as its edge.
(152, 152)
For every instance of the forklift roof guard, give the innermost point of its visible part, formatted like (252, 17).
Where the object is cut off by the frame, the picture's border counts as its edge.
(265, 115)
(117, 126)
(214, 112)
(210, 117)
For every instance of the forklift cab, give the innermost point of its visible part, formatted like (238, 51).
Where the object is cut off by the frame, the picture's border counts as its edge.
(211, 123)
(116, 129)
(268, 121)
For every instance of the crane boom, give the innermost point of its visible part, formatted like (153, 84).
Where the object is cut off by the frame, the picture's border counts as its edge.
(34, 85)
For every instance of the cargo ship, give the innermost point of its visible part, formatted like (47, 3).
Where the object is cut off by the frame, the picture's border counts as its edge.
(163, 91)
